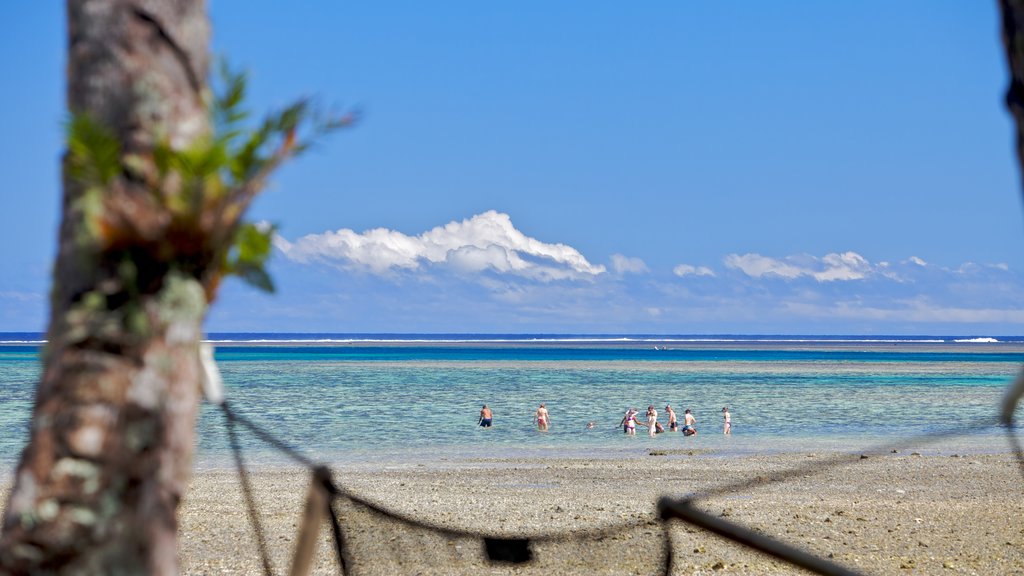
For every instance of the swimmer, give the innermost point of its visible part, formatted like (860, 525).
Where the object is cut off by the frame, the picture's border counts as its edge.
(672, 424)
(727, 430)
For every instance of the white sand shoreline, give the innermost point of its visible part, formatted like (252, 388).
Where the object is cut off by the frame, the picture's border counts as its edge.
(883, 514)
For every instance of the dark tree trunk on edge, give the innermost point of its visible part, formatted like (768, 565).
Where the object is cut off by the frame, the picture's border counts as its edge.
(1012, 13)
(98, 486)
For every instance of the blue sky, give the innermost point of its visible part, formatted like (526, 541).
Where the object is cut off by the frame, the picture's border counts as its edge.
(595, 167)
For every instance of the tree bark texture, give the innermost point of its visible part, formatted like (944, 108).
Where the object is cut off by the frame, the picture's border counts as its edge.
(109, 455)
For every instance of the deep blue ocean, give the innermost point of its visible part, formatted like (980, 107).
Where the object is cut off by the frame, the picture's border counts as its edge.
(360, 397)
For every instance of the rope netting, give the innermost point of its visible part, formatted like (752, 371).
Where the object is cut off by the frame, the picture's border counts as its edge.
(371, 538)
(379, 542)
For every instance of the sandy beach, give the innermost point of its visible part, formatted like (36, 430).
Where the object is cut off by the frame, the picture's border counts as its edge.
(896, 513)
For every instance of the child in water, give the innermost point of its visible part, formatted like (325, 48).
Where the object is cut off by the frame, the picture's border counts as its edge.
(689, 428)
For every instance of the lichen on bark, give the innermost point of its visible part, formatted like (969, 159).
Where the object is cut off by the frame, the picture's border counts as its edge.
(158, 176)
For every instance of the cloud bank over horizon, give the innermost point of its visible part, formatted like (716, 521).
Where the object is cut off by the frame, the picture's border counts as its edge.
(482, 273)
(832, 267)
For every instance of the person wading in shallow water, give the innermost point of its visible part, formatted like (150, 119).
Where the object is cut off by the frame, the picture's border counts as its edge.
(543, 420)
(629, 422)
(689, 424)
(485, 417)
(652, 421)
(727, 429)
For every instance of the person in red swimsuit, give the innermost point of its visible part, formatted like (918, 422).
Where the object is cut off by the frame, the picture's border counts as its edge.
(543, 419)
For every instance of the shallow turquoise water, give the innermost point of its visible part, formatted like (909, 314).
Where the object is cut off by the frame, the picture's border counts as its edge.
(338, 402)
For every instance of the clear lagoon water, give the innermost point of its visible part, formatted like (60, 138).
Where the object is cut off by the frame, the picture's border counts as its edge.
(362, 397)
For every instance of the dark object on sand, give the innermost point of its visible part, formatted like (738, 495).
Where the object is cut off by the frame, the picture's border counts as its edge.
(513, 551)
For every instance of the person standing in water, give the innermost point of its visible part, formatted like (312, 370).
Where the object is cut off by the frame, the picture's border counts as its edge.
(652, 421)
(543, 420)
(629, 422)
(485, 417)
(727, 429)
(672, 423)
(689, 424)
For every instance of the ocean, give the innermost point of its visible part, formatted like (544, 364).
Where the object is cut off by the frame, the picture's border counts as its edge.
(358, 398)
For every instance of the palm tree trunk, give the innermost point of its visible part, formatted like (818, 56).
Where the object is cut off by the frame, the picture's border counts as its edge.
(109, 456)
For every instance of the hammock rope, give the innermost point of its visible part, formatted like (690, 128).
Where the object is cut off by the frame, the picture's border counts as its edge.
(518, 550)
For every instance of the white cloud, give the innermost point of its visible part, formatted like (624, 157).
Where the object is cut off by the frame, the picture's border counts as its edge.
(471, 258)
(917, 310)
(486, 241)
(688, 270)
(756, 266)
(829, 268)
(886, 270)
(626, 265)
(918, 261)
(975, 268)
(845, 266)
(968, 268)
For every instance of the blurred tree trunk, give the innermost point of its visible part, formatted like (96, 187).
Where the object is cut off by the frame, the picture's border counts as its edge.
(1012, 13)
(109, 457)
